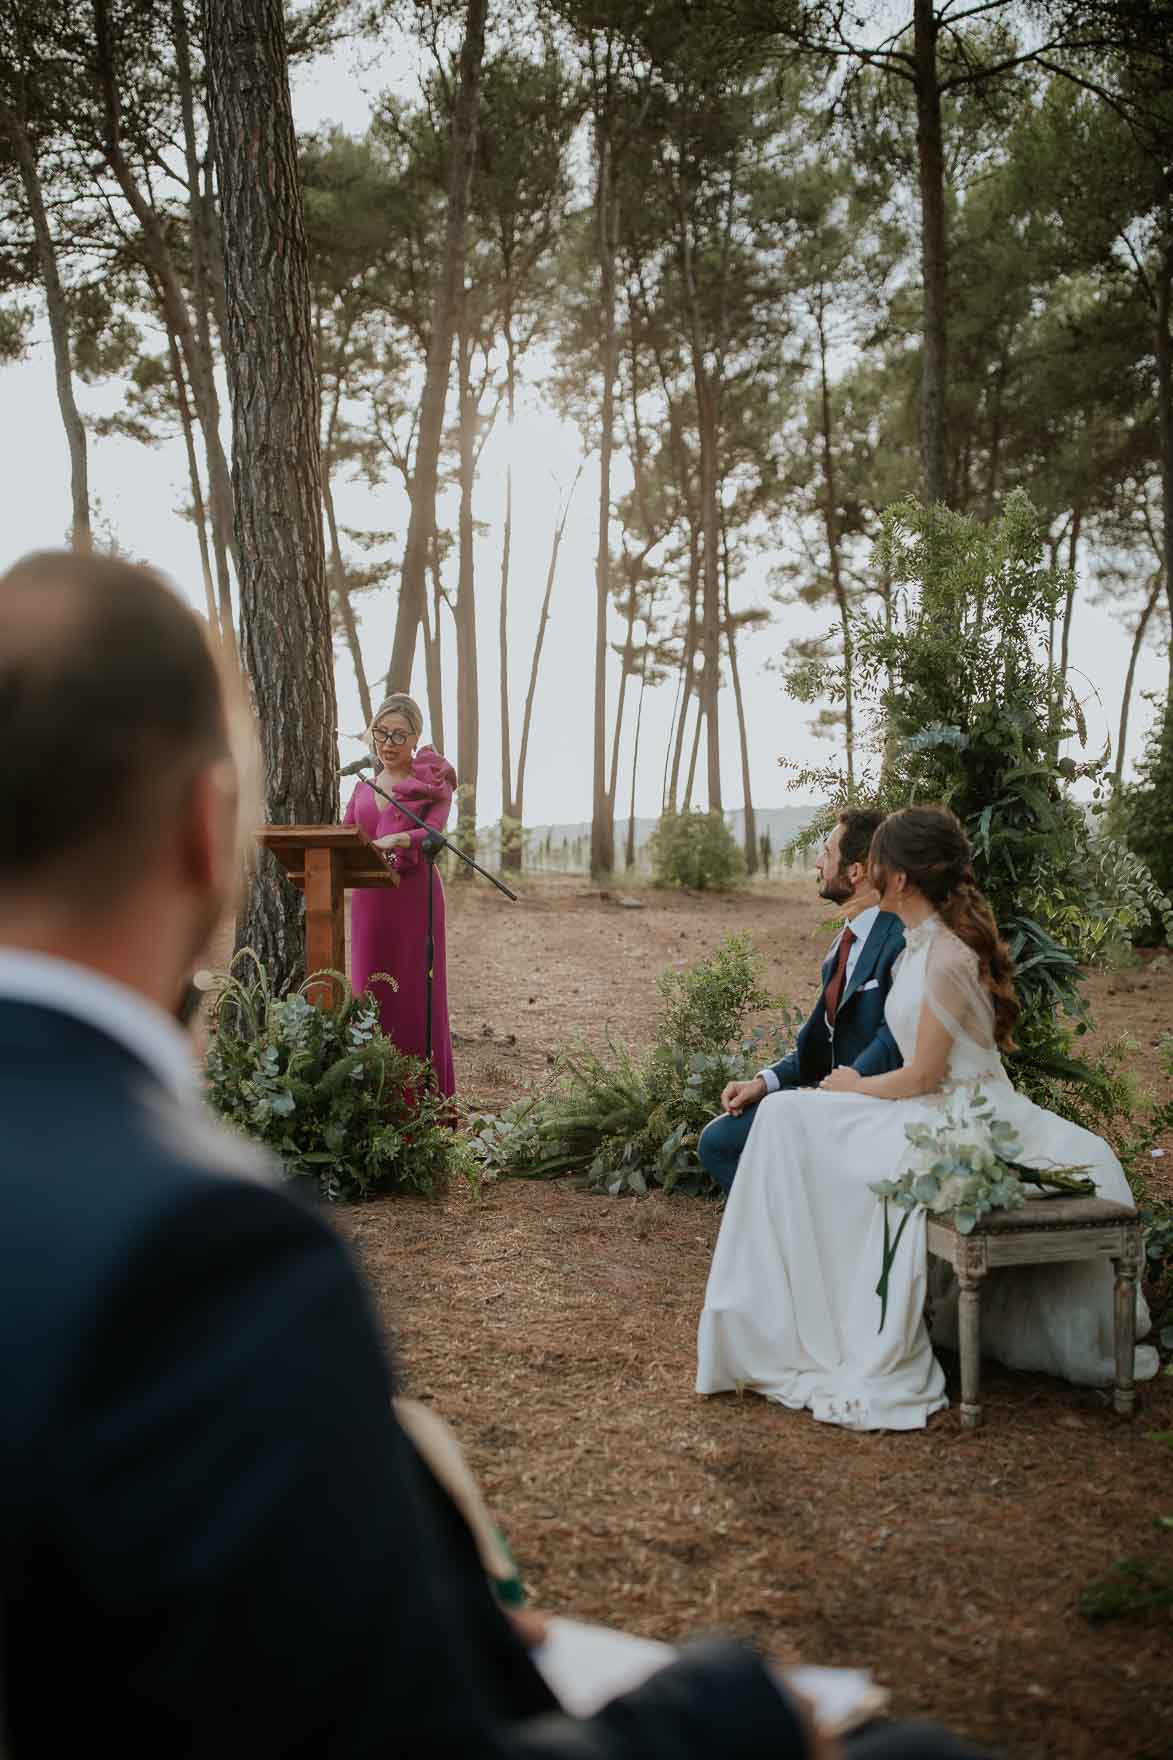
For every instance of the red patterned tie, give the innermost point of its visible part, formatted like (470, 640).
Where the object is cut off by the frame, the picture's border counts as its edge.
(838, 976)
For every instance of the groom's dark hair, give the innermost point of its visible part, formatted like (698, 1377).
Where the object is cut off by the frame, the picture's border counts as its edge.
(859, 827)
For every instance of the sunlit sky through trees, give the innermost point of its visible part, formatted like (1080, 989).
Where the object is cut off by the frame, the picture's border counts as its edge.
(138, 493)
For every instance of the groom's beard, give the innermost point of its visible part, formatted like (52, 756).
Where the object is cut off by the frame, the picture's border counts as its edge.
(837, 890)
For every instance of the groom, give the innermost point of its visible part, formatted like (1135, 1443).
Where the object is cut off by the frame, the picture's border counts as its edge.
(847, 1022)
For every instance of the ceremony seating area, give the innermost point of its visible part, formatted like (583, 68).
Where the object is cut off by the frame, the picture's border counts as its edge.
(556, 1332)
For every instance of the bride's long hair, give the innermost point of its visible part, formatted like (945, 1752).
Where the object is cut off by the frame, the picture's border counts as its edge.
(929, 846)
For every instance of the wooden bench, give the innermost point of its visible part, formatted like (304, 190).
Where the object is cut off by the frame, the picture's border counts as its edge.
(1043, 1232)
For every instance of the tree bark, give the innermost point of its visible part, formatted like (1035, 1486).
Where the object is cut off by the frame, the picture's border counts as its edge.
(834, 558)
(81, 537)
(930, 155)
(467, 681)
(606, 232)
(696, 746)
(445, 303)
(285, 609)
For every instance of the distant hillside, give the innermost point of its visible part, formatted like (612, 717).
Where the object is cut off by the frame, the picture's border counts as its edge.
(782, 823)
(566, 848)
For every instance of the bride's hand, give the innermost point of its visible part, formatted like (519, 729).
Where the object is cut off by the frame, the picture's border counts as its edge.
(843, 1080)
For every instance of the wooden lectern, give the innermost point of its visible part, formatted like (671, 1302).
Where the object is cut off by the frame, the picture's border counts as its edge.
(325, 861)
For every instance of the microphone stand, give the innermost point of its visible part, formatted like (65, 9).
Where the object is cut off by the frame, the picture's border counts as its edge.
(430, 848)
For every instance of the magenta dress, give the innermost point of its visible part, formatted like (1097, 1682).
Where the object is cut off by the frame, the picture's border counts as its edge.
(389, 926)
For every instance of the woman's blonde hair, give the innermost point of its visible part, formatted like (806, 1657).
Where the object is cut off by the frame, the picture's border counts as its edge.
(398, 703)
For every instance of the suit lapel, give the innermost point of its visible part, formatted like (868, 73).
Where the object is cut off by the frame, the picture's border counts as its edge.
(865, 965)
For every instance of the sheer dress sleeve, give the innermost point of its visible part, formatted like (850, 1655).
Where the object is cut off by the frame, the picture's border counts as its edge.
(955, 993)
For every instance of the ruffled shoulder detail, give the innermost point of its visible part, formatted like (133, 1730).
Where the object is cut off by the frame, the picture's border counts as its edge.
(432, 777)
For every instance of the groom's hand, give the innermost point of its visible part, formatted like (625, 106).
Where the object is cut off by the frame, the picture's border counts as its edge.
(736, 1096)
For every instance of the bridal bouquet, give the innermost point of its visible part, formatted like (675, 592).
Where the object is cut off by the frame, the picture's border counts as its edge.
(964, 1167)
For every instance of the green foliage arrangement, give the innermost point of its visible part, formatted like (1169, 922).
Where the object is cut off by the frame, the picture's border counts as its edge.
(324, 1088)
(696, 850)
(961, 704)
(628, 1121)
(1147, 816)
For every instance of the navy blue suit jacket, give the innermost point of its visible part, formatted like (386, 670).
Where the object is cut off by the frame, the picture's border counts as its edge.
(861, 1035)
(214, 1536)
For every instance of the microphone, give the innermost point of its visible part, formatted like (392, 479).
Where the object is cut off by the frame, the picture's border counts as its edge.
(353, 768)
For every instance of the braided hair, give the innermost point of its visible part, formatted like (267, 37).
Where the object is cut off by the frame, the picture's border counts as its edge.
(929, 847)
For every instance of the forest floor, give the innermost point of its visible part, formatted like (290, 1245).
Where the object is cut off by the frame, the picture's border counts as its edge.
(556, 1331)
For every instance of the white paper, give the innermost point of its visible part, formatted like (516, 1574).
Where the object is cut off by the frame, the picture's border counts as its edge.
(586, 1666)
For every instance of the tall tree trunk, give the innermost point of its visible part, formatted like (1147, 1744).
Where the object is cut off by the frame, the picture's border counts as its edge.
(342, 598)
(606, 231)
(629, 851)
(285, 609)
(834, 557)
(81, 537)
(696, 746)
(539, 642)
(1138, 636)
(624, 674)
(432, 653)
(199, 512)
(446, 300)
(197, 362)
(930, 154)
(750, 828)
(203, 223)
(1164, 353)
(510, 811)
(1068, 608)
(687, 671)
(467, 683)
(708, 421)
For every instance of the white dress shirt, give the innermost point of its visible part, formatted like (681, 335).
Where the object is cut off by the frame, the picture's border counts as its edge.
(861, 926)
(115, 1009)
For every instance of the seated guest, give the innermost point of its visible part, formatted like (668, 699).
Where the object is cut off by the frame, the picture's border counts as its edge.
(846, 1025)
(215, 1536)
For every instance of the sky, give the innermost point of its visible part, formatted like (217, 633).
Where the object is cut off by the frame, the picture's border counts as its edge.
(138, 493)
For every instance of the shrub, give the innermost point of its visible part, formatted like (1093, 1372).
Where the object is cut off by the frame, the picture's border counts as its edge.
(324, 1088)
(696, 850)
(627, 1121)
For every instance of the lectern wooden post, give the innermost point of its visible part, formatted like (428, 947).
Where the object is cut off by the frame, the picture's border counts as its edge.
(325, 861)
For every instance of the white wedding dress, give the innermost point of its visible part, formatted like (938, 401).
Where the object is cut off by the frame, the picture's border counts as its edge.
(791, 1309)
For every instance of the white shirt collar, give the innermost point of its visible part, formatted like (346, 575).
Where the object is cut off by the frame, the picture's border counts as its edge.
(114, 1009)
(862, 924)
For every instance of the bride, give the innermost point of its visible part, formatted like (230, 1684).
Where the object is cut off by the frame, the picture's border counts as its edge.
(790, 1309)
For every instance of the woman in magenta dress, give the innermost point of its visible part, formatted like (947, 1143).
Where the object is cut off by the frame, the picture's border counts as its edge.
(389, 927)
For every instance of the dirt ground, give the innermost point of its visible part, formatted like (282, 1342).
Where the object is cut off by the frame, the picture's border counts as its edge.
(556, 1331)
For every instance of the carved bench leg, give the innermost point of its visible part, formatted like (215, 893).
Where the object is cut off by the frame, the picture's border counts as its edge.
(1124, 1397)
(969, 1338)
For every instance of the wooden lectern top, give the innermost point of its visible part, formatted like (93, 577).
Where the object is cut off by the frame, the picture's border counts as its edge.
(347, 847)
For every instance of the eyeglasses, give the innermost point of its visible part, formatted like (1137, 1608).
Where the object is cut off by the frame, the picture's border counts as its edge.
(396, 737)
